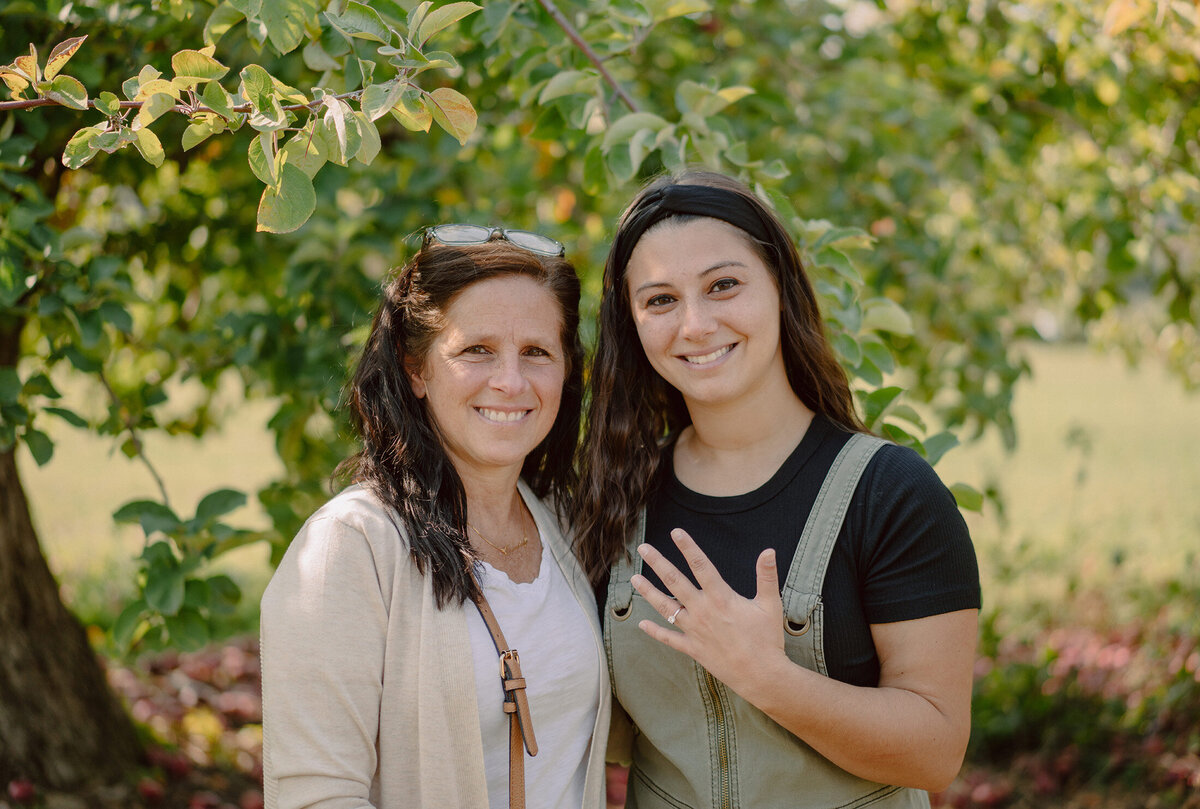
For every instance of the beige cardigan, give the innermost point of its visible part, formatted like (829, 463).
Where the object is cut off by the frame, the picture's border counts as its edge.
(368, 688)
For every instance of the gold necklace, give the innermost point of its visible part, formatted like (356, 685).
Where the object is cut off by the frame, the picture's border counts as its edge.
(503, 551)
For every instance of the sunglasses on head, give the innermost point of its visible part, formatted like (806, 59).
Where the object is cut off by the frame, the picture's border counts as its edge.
(460, 235)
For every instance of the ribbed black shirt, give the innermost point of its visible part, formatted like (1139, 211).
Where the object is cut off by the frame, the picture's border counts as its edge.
(903, 551)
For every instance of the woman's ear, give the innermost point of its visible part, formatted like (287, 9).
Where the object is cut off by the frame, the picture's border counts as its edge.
(415, 380)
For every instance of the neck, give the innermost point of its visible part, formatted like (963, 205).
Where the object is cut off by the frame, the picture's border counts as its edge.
(492, 498)
(769, 415)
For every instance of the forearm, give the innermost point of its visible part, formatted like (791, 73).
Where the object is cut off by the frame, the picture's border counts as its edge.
(889, 735)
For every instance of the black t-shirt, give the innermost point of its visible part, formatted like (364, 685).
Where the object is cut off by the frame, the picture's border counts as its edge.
(903, 551)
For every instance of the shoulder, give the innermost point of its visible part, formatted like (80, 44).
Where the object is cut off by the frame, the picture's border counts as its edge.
(896, 474)
(353, 529)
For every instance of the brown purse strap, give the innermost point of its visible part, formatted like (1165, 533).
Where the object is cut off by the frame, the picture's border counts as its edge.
(516, 705)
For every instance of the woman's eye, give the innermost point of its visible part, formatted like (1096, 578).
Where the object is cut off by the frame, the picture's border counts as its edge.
(475, 350)
(659, 300)
(536, 351)
(724, 284)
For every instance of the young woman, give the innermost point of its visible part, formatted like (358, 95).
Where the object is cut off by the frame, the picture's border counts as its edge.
(791, 602)
(382, 676)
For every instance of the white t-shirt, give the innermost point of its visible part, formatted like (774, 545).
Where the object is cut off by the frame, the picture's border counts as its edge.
(545, 623)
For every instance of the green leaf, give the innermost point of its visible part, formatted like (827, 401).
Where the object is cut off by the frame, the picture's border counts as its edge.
(10, 384)
(150, 147)
(40, 446)
(967, 497)
(884, 314)
(188, 630)
(850, 237)
(377, 99)
(40, 385)
(195, 594)
(261, 156)
(218, 503)
(68, 416)
(220, 21)
(117, 315)
(217, 99)
(839, 262)
(125, 628)
(938, 445)
(285, 20)
(875, 402)
(568, 82)
(624, 128)
(452, 111)
(194, 66)
(60, 55)
(285, 209)
(369, 140)
(69, 92)
(199, 131)
(224, 594)
(439, 19)
(150, 514)
(108, 104)
(360, 22)
(164, 589)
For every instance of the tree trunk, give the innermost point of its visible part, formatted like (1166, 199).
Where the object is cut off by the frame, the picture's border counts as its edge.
(60, 724)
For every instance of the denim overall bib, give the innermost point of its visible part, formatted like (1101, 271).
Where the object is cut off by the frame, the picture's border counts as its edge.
(698, 745)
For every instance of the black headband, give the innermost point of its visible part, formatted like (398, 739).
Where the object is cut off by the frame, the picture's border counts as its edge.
(696, 200)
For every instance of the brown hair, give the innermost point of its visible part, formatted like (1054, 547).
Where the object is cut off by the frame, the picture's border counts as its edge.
(402, 460)
(633, 410)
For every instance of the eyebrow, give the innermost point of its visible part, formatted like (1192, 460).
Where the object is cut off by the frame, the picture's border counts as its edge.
(714, 268)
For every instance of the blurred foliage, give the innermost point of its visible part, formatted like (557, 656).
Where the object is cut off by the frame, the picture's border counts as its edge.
(959, 176)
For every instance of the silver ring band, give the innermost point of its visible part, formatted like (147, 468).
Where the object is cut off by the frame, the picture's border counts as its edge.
(671, 619)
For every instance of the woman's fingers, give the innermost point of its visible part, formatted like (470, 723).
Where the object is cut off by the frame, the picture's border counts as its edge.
(702, 568)
(768, 579)
(678, 584)
(660, 601)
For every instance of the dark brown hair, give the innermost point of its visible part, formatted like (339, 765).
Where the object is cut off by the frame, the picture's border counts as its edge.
(402, 460)
(633, 410)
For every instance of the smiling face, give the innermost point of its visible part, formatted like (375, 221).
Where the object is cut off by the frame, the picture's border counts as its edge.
(707, 312)
(493, 376)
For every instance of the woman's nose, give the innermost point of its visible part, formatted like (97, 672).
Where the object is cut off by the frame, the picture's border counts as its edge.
(508, 375)
(698, 321)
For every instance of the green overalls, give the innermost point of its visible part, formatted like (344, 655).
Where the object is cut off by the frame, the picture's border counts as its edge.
(698, 745)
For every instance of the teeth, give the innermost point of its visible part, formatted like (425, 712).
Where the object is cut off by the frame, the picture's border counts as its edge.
(720, 352)
(502, 415)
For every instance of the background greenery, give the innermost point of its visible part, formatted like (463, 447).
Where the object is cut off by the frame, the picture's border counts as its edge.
(964, 179)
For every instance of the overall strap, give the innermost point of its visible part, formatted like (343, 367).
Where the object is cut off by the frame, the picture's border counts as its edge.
(516, 705)
(802, 590)
(620, 591)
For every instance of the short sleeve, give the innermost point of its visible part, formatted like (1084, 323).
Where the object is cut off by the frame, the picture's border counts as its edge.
(915, 554)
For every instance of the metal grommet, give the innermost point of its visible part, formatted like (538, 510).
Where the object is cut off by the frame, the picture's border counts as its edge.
(796, 628)
(621, 613)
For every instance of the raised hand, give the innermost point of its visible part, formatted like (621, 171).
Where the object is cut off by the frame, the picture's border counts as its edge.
(731, 636)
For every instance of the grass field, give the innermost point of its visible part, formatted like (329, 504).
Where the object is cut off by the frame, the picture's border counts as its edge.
(1102, 488)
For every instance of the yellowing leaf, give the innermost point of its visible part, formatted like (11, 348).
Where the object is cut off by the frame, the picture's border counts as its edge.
(411, 112)
(61, 53)
(154, 108)
(453, 112)
(148, 144)
(154, 86)
(1121, 14)
(196, 66)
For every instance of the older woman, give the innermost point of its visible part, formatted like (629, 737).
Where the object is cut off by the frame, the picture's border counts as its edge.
(791, 610)
(429, 631)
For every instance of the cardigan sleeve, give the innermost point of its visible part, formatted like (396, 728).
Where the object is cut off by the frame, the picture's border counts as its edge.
(324, 637)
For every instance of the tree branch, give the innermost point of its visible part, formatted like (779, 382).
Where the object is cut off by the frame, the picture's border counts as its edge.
(30, 103)
(580, 43)
(136, 439)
